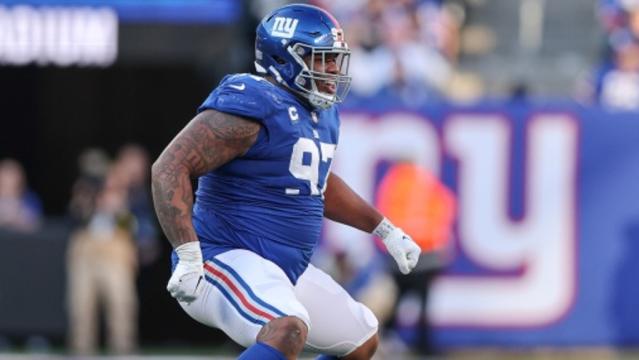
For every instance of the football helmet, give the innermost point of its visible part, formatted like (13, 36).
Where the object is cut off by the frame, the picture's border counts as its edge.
(296, 45)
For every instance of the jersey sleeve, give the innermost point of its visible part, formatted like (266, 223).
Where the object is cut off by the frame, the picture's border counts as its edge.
(239, 95)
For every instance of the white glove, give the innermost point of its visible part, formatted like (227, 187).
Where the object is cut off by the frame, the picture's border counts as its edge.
(399, 245)
(185, 283)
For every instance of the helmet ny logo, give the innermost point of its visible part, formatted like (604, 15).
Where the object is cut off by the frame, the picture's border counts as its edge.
(284, 27)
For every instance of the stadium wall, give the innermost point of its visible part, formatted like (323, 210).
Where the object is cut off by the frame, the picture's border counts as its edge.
(548, 224)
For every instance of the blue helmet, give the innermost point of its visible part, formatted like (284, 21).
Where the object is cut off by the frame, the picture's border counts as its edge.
(294, 43)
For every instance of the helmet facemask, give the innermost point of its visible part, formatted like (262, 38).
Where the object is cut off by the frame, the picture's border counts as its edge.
(321, 88)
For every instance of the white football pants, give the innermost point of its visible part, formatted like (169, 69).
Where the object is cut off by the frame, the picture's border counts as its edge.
(244, 291)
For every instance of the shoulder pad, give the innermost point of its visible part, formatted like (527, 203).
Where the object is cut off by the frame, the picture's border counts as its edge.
(242, 95)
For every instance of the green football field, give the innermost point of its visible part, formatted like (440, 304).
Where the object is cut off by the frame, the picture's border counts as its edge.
(467, 354)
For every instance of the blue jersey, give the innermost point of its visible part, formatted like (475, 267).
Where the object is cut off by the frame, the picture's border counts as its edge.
(270, 200)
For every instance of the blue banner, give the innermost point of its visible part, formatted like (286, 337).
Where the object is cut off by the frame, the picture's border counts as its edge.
(162, 11)
(547, 233)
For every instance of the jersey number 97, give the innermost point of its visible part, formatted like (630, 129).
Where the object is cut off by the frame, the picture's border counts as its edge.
(308, 168)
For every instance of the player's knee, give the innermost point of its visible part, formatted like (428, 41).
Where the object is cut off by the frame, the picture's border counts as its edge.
(366, 350)
(287, 334)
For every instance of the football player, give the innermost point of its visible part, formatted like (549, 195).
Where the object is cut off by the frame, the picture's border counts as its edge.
(262, 147)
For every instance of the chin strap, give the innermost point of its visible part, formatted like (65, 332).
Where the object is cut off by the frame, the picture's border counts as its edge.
(319, 101)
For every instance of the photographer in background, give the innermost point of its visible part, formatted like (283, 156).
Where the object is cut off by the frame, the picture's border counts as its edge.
(102, 258)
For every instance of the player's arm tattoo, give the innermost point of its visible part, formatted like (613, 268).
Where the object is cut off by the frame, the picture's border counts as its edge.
(210, 140)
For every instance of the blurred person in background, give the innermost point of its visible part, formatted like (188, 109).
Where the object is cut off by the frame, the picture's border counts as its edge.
(419, 202)
(616, 82)
(420, 71)
(93, 164)
(261, 147)
(619, 18)
(20, 208)
(101, 258)
(135, 166)
(411, 46)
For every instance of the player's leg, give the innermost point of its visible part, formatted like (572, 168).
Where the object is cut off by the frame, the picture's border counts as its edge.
(82, 295)
(253, 302)
(342, 327)
(287, 335)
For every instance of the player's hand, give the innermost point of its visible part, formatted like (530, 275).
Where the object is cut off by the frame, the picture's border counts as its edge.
(399, 245)
(403, 249)
(186, 282)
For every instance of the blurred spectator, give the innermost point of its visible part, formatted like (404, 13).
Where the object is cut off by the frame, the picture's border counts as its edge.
(420, 204)
(20, 208)
(616, 84)
(93, 165)
(101, 258)
(134, 163)
(410, 46)
(619, 87)
(618, 16)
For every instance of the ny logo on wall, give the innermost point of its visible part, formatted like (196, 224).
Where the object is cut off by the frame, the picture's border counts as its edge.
(284, 27)
(524, 270)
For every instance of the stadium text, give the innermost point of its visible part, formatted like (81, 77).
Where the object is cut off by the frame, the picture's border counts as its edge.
(59, 36)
